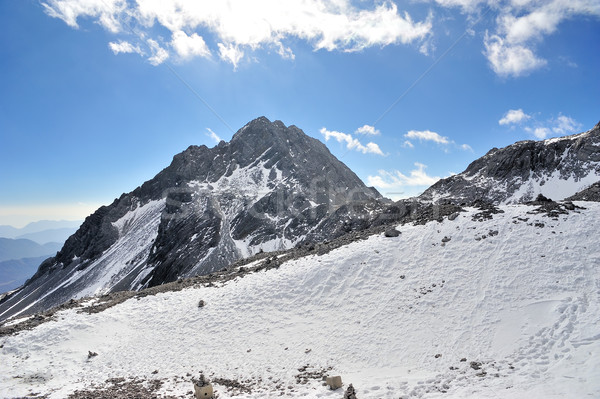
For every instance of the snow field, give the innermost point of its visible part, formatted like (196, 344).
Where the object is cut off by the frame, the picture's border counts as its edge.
(392, 316)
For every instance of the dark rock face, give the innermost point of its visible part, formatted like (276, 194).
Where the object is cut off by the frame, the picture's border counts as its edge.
(270, 188)
(519, 172)
(592, 193)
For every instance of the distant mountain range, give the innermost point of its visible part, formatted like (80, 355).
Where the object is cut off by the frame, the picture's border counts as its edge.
(42, 231)
(23, 248)
(273, 188)
(13, 273)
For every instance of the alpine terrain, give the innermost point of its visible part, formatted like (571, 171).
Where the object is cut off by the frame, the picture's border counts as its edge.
(556, 168)
(268, 189)
(264, 265)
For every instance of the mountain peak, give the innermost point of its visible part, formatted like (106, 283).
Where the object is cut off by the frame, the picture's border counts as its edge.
(269, 188)
(556, 167)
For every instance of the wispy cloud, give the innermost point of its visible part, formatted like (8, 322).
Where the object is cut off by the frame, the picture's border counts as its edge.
(240, 27)
(351, 142)
(428, 135)
(368, 130)
(510, 47)
(213, 135)
(560, 125)
(159, 54)
(125, 47)
(513, 116)
(396, 184)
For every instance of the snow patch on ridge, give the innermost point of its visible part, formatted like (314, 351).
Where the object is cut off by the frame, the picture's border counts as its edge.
(137, 230)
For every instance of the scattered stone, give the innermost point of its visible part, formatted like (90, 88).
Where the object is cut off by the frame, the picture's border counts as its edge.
(438, 355)
(453, 216)
(201, 303)
(119, 388)
(542, 198)
(464, 359)
(475, 365)
(350, 393)
(392, 232)
(92, 354)
(233, 385)
(446, 239)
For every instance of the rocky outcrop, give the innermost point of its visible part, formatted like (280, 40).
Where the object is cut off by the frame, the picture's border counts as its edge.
(270, 188)
(592, 193)
(556, 167)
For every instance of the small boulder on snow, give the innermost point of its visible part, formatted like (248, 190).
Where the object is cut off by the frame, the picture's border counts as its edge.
(392, 232)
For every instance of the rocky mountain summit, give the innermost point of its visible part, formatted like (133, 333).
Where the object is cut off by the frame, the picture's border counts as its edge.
(270, 188)
(556, 168)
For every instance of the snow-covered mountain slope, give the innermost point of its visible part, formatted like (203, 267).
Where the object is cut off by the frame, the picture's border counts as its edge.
(556, 168)
(269, 188)
(475, 307)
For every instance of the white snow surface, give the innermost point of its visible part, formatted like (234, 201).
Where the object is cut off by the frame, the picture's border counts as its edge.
(392, 316)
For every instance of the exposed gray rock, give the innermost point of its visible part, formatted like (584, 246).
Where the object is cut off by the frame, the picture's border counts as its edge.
(391, 232)
(519, 172)
(592, 193)
(271, 187)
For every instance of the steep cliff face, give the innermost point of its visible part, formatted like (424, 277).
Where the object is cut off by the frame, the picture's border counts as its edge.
(269, 188)
(556, 168)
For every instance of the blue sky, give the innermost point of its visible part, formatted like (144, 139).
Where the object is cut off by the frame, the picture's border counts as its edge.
(98, 95)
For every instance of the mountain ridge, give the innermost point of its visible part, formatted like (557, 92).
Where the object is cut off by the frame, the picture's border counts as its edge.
(556, 168)
(269, 188)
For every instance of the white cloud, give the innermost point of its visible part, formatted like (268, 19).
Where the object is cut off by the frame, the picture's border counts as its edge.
(396, 183)
(561, 125)
(351, 142)
(367, 129)
(539, 132)
(124, 47)
(427, 135)
(514, 116)
(213, 135)
(466, 5)
(230, 53)
(240, 26)
(510, 59)
(524, 23)
(159, 54)
(189, 46)
(565, 125)
(106, 12)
